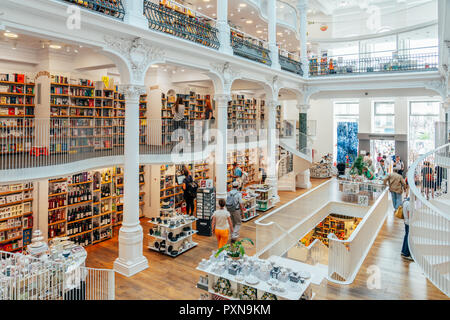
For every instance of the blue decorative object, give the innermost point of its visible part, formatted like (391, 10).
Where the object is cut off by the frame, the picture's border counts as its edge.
(347, 141)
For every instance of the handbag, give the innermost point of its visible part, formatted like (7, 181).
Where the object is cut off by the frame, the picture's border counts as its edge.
(399, 212)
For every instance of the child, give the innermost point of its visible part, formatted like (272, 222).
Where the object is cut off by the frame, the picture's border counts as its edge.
(221, 224)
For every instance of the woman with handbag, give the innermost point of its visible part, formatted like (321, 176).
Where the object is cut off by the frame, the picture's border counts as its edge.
(190, 191)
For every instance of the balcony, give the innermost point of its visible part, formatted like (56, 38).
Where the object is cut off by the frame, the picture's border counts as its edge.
(290, 63)
(417, 59)
(249, 47)
(111, 8)
(181, 22)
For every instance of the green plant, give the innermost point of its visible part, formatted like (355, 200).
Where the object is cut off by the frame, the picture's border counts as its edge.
(358, 166)
(235, 249)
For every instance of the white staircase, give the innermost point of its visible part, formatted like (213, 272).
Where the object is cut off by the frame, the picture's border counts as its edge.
(429, 228)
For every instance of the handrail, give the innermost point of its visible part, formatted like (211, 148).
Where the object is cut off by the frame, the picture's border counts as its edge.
(363, 221)
(413, 187)
(111, 8)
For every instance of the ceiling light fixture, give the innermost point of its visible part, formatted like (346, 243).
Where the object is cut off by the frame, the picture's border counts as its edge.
(249, 21)
(10, 35)
(154, 66)
(242, 5)
(55, 46)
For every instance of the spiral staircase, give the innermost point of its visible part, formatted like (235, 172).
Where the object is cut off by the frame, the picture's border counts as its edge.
(429, 226)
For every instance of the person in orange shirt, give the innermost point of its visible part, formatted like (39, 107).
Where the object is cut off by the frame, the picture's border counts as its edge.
(221, 224)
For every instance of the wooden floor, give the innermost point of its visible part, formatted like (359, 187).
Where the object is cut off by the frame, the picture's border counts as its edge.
(175, 278)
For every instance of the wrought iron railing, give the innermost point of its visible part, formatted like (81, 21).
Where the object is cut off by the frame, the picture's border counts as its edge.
(249, 47)
(187, 25)
(112, 8)
(291, 65)
(417, 59)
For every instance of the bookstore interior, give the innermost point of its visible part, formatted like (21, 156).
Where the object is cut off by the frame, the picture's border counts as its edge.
(62, 103)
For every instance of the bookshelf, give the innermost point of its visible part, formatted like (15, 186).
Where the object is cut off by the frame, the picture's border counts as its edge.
(16, 216)
(17, 109)
(342, 226)
(170, 193)
(242, 113)
(247, 160)
(86, 206)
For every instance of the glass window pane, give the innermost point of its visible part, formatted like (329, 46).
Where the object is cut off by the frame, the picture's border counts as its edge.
(346, 108)
(384, 108)
(425, 107)
(384, 124)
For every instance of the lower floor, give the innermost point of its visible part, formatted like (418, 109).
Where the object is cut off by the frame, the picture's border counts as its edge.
(383, 275)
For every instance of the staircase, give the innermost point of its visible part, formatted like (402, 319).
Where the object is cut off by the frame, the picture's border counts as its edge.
(429, 227)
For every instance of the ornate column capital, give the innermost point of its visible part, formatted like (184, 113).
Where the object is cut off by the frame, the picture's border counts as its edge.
(222, 99)
(137, 53)
(227, 74)
(303, 108)
(272, 104)
(302, 5)
(132, 91)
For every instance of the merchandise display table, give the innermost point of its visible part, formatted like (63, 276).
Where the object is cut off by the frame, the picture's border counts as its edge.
(250, 278)
(265, 199)
(322, 169)
(172, 235)
(250, 207)
(359, 190)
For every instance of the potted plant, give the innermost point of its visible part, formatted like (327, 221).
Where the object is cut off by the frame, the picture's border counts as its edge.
(235, 250)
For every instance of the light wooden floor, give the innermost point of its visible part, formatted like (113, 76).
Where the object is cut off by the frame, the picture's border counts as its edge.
(175, 278)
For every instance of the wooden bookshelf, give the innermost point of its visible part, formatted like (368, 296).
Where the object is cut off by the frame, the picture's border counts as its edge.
(17, 108)
(16, 222)
(247, 160)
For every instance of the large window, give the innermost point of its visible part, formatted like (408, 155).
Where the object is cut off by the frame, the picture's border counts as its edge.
(383, 117)
(345, 112)
(422, 118)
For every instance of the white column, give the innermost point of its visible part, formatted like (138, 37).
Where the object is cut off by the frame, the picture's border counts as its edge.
(303, 178)
(272, 31)
(223, 27)
(134, 13)
(131, 259)
(302, 7)
(446, 107)
(221, 144)
(272, 143)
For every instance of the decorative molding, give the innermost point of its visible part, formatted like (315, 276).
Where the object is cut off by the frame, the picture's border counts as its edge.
(132, 92)
(440, 86)
(303, 108)
(222, 99)
(138, 53)
(307, 92)
(227, 74)
(42, 74)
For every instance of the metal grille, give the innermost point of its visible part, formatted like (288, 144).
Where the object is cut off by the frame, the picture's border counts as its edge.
(250, 49)
(112, 8)
(290, 65)
(181, 25)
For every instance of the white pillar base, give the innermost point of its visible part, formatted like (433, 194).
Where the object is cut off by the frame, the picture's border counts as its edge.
(273, 182)
(130, 260)
(303, 180)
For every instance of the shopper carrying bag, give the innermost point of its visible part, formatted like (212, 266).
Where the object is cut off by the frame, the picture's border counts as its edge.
(235, 206)
(221, 223)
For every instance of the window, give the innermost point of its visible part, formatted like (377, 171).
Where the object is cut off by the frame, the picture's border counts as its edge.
(423, 116)
(383, 117)
(345, 112)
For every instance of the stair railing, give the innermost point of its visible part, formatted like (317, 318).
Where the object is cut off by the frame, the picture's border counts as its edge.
(429, 222)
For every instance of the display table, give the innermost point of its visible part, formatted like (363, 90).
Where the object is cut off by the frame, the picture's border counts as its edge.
(250, 208)
(360, 191)
(172, 235)
(251, 278)
(265, 199)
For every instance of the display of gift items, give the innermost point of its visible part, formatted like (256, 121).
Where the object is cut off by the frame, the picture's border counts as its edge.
(171, 233)
(323, 168)
(356, 187)
(249, 203)
(250, 278)
(265, 198)
(16, 216)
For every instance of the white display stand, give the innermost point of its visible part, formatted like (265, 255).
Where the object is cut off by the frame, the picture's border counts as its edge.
(182, 244)
(289, 290)
(250, 211)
